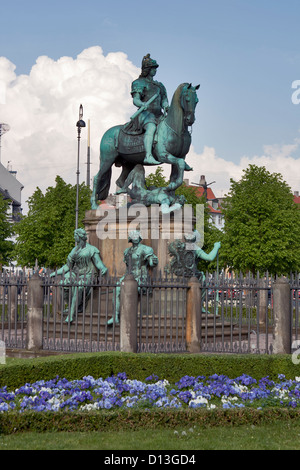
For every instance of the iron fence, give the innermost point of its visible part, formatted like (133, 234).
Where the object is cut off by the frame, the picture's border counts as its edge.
(88, 331)
(162, 314)
(237, 313)
(295, 304)
(13, 309)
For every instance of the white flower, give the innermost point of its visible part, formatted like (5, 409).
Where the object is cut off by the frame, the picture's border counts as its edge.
(211, 407)
(162, 383)
(199, 401)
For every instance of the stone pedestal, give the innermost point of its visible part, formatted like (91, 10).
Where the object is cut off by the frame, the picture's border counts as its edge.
(108, 229)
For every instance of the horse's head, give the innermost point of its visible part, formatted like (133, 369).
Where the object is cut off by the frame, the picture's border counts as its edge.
(189, 102)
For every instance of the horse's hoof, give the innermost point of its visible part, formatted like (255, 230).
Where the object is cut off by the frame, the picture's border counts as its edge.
(112, 321)
(94, 205)
(150, 160)
(188, 167)
(121, 191)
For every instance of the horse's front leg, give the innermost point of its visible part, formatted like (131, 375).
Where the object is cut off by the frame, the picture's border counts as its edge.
(180, 166)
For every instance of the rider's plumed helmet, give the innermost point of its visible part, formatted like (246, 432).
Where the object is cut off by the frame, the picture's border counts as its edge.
(148, 63)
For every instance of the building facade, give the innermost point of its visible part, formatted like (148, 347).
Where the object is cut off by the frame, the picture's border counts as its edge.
(11, 190)
(214, 203)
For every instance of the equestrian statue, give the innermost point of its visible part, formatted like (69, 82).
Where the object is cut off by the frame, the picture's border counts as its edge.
(157, 133)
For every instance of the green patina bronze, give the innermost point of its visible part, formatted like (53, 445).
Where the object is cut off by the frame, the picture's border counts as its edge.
(157, 133)
(82, 262)
(186, 255)
(139, 194)
(139, 259)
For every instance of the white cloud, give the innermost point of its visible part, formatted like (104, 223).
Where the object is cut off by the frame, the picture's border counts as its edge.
(275, 158)
(42, 110)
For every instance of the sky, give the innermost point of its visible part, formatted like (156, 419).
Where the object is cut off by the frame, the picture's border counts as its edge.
(57, 55)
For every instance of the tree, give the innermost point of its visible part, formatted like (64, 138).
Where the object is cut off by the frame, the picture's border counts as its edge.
(262, 224)
(47, 232)
(6, 231)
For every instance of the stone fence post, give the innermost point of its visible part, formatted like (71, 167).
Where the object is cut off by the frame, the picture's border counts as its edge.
(262, 296)
(193, 316)
(13, 302)
(35, 301)
(282, 316)
(128, 314)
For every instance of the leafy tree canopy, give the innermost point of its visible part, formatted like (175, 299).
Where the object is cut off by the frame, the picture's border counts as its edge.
(46, 233)
(262, 224)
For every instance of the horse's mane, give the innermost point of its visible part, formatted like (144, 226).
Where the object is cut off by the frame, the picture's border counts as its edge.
(177, 94)
(175, 110)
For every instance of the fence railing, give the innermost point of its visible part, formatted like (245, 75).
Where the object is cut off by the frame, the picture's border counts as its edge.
(88, 330)
(295, 306)
(219, 313)
(237, 313)
(13, 309)
(162, 315)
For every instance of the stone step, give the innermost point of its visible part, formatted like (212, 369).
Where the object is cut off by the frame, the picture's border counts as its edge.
(147, 330)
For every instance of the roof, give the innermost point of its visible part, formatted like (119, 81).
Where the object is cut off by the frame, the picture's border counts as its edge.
(200, 191)
(214, 211)
(297, 199)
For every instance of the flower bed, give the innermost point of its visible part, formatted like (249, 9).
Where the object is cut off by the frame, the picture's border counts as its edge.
(119, 392)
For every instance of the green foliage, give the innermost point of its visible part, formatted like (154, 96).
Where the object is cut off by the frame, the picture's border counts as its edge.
(171, 367)
(156, 179)
(6, 231)
(262, 224)
(140, 419)
(47, 232)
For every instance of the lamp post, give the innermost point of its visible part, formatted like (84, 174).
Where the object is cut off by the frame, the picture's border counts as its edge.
(79, 125)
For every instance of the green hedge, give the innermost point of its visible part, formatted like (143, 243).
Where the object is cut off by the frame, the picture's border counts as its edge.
(171, 367)
(135, 419)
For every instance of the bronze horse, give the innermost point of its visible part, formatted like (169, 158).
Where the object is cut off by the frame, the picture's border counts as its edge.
(171, 145)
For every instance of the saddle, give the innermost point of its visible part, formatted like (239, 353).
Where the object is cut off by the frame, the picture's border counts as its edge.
(130, 140)
(130, 143)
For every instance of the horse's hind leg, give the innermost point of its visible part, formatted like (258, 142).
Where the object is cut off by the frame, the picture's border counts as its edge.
(126, 169)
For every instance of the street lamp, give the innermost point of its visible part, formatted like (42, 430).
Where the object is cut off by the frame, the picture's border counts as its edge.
(79, 125)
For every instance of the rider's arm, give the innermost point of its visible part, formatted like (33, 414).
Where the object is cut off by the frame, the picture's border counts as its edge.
(164, 97)
(137, 100)
(137, 89)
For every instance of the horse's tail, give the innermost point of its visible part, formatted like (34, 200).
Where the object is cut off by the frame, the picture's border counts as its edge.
(103, 185)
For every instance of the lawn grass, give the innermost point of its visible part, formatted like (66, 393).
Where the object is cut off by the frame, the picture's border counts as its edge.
(277, 436)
